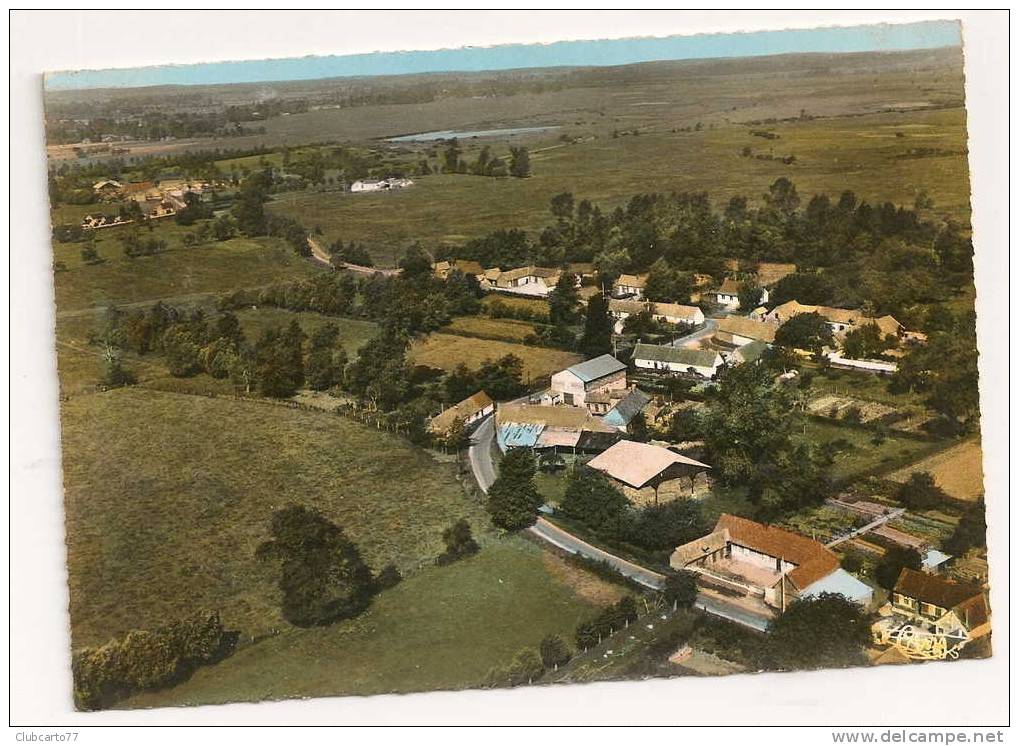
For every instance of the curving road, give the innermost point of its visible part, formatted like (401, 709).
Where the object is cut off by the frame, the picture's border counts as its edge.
(479, 454)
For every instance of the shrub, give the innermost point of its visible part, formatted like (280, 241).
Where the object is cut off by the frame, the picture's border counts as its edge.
(554, 652)
(147, 659)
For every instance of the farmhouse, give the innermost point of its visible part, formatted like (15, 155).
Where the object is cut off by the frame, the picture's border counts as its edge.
(939, 605)
(572, 386)
(767, 563)
(839, 319)
(673, 313)
(108, 189)
(379, 185)
(466, 266)
(529, 280)
(626, 408)
(630, 286)
(647, 473)
(666, 359)
(669, 313)
(469, 411)
(728, 293)
(522, 425)
(738, 331)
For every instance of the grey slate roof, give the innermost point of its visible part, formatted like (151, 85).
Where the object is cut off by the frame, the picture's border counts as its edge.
(599, 367)
(748, 353)
(627, 408)
(677, 355)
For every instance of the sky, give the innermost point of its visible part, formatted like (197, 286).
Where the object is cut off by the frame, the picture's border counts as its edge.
(921, 35)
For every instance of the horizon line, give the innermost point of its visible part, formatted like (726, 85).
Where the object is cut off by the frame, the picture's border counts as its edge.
(882, 37)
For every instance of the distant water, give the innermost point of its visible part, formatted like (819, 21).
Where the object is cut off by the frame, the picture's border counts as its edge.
(464, 134)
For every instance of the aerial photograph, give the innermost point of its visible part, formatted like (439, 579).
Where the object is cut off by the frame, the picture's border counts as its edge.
(517, 366)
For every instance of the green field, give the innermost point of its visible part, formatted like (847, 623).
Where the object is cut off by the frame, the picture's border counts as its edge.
(168, 496)
(443, 628)
(353, 332)
(175, 275)
(859, 153)
(865, 457)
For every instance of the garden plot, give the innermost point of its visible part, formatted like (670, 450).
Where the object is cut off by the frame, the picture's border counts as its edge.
(836, 408)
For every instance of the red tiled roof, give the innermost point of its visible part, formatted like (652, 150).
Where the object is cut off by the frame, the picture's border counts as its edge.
(812, 559)
(935, 590)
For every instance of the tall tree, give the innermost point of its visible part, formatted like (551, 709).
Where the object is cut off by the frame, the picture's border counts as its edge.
(597, 338)
(590, 498)
(749, 433)
(520, 162)
(513, 499)
(322, 575)
(564, 300)
(805, 331)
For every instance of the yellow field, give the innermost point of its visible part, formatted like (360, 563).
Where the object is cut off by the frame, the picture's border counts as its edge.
(958, 470)
(446, 351)
(480, 326)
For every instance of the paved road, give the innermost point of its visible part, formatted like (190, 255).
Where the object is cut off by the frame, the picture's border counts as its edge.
(557, 537)
(719, 606)
(480, 453)
(480, 456)
(710, 325)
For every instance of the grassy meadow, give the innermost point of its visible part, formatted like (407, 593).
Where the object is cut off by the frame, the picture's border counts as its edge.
(443, 628)
(147, 474)
(176, 274)
(865, 154)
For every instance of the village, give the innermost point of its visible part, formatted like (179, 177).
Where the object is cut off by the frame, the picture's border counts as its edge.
(563, 423)
(747, 572)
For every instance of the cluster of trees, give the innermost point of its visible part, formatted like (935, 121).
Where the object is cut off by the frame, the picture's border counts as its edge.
(529, 664)
(920, 492)
(594, 501)
(147, 659)
(501, 379)
(486, 164)
(322, 576)
(612, 618)
(945, 369)
(849, 252)
(823, 632)
(970, 532)
(133, 244)
(749, 438)
(331, 294)
(352, 253)
(190, 343)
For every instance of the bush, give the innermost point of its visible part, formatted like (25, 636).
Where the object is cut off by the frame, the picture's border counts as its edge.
(852, 562)
(554, 652)
(920, 492)
(388, 577)
(147, 659)
(459, 543)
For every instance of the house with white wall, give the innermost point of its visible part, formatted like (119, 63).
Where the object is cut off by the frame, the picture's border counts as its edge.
(669, 360)
(603, 373)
